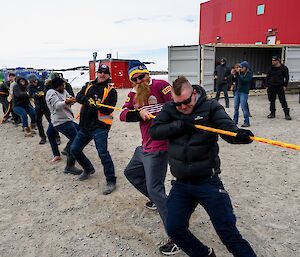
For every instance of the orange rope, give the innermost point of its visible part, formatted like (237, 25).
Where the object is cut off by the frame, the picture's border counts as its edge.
(228, 133)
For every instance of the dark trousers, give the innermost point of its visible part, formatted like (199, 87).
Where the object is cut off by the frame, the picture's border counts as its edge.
(39, 121)
(222, 87)
(273, 91)
(210, 193)
(70, 130)
(99, 136)
(146, 171)
(52, 135)
(5, 103)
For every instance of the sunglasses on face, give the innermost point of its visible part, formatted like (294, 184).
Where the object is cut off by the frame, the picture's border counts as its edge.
(184, 102)
(103, 71)
(140, 77)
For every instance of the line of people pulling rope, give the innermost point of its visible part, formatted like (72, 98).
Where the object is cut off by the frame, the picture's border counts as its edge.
(171, 138)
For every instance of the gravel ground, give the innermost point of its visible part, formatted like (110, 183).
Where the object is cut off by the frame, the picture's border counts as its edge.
(44, 212)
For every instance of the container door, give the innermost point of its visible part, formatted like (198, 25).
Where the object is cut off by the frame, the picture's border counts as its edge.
(271, 40)
(207, 67)
(184, 60)
(292, 61)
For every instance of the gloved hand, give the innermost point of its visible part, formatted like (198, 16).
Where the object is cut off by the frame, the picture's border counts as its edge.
(40, 93)
(189, 122)
(243, 136)
(92, 102)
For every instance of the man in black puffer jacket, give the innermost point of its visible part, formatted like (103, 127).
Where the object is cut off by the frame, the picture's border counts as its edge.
(194, 161)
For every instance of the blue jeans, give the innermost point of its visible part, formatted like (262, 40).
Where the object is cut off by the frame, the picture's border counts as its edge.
(52, 135)
(99, 136)
(210, 193)
(241, 98)
(22, 111)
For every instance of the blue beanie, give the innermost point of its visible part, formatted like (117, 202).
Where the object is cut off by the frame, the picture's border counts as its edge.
(135, 66)
(245, 64)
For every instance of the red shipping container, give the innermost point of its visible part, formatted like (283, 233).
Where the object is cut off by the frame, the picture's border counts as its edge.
(118, 69)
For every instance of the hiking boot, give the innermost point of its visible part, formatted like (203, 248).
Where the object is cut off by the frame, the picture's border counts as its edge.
(27, 132)
(151, 205)
(109, 188)
(85, 174)
(43, 141)
(73, 170)
(271, 116)
(245, 125)
(170, 248)
(287, 114)
(211, 253)
(33, 128)
(287, 117)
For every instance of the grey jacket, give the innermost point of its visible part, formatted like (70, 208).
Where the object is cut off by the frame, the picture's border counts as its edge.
(60, 111)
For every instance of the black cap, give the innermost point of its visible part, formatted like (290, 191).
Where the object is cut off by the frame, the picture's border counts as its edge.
(103, 68)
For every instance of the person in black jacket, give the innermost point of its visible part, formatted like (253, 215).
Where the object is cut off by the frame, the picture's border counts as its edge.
(95, 122)
(277, 82)
(22, 105)
(37, 92)
(221, 75)
(194, 161)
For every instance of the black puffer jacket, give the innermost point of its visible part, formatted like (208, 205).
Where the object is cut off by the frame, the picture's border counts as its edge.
(21, 95)
(193, 153)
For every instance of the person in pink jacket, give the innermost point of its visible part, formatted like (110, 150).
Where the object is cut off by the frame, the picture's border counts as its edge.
(147, 169)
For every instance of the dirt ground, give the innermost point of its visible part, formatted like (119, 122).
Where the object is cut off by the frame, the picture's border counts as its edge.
(44, 212)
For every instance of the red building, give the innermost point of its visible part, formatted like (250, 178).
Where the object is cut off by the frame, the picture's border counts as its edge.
(118, 69)
(250, 22)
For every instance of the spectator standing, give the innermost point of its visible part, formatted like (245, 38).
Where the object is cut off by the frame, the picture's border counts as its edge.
(221, 75)
(241, 93)
(277, 82)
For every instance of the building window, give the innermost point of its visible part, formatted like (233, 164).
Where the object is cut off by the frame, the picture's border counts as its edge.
(229, 17)
(260, 9)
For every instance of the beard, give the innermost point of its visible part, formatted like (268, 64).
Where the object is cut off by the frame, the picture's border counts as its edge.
(142, 93)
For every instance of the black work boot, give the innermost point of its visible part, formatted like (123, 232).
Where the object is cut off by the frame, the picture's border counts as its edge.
(271, 115)
(72, 170)
(43, 141)
(86, 174)
(287, 114)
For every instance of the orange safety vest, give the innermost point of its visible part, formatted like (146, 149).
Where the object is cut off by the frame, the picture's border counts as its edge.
(107, 119)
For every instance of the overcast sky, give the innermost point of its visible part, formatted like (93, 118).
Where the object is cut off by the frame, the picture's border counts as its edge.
(65, 33)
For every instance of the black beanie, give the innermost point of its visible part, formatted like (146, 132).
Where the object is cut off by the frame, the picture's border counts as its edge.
(57, 82)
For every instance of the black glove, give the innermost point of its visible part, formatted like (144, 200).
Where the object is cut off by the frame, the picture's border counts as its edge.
(243, 136)
(189, 123)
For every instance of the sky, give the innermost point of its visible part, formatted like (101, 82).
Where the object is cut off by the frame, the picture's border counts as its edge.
(57, 34)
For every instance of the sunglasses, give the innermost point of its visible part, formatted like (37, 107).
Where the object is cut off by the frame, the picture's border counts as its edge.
(140, 77)
(184, 102)
(103, 71)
